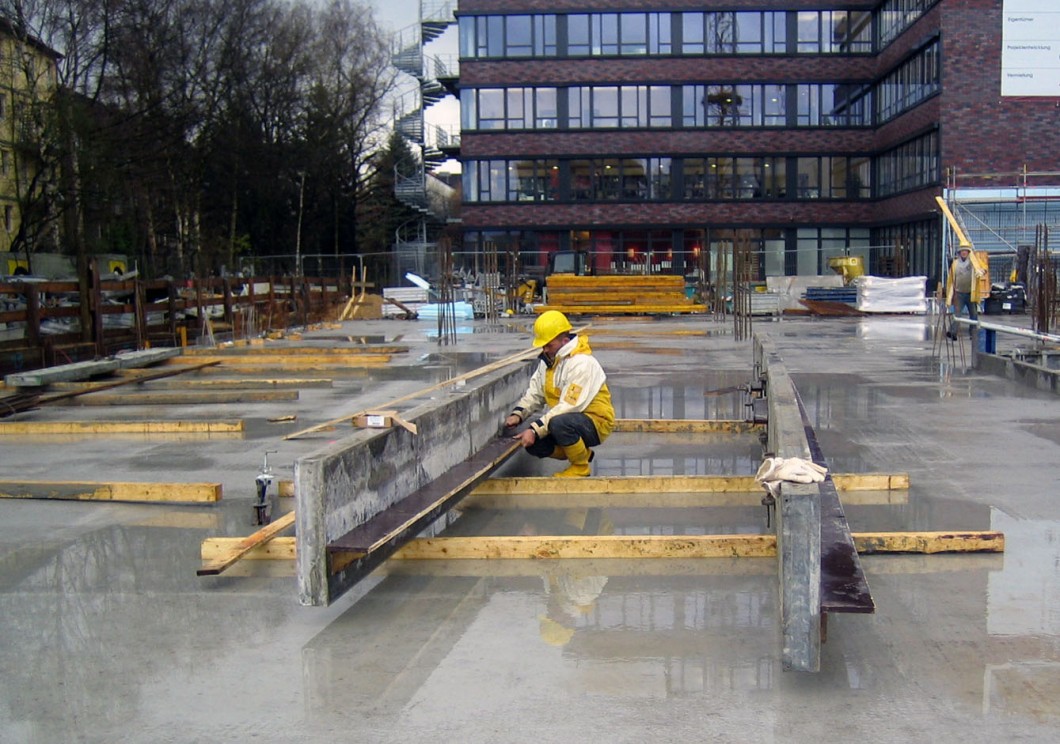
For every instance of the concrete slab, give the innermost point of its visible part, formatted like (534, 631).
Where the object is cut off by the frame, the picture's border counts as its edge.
(108, 635)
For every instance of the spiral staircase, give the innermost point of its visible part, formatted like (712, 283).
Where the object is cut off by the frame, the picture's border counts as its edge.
(415, 184)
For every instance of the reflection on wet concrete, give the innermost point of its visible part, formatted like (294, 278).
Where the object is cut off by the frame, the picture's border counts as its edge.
(80, 607)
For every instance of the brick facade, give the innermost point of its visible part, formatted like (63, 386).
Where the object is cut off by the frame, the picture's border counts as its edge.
(978, 130)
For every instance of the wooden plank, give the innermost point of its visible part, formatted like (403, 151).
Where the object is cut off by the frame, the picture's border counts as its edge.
(546, 500)
(275, 351)
(661, 484)
(262, 536)
(616, 281)
(622, 309)
(869, 543)
(305, 361)
(685, 426)
(276, 549)
(592, 546)
(189, 398)
(243, 383)
(119, 491)
(623, 547)
(23, 428)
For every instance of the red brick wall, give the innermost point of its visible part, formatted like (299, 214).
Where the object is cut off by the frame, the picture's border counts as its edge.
(546, 216)
(981, 131)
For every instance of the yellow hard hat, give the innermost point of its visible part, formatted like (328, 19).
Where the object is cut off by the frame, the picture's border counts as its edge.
(548, 325)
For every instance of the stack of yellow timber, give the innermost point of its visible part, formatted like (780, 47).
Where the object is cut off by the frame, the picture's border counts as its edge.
(634, 294)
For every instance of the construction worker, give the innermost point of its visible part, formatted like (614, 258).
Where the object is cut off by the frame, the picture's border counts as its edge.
(571, 382)
(962, 287)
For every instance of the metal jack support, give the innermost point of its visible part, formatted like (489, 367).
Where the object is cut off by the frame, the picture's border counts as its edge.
(262, 482)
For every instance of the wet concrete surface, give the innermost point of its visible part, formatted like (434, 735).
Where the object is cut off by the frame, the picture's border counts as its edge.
(108, 634)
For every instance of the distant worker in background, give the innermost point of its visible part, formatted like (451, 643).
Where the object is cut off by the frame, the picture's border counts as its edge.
(572, 384)
(962, 287)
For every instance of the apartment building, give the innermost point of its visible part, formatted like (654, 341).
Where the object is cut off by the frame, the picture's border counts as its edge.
(27, 85)
(658, 134)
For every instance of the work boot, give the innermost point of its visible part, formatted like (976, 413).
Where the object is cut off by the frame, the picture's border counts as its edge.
(579, 456)
(558, 453)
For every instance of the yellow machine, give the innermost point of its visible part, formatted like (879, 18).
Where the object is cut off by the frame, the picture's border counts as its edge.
(849, 267)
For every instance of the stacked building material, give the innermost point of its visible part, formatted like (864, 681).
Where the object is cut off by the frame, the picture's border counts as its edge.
(880, 294)
(617, 294)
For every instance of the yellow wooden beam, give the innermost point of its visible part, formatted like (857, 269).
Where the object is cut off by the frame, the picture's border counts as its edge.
(29, 428)
(243, 383)
(94, 491)
(276, 549)
(244, 545)
(189, 398)
(636, 500)
(656, 484)
(610, 547)
(591, 546)
(929, 542)
(685, 426)
(272, 351)
(622, 309)
(306, 361)
(624, 547)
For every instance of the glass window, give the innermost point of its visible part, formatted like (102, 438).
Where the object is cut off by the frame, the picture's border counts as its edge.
(578, 38)
(634, 33)
(659, 185)
(607, 36)
(515, 117)
(808, 178)
(808, 40)
(605, 106)
(520, 41)
(545, 44)
(581, 180)
(546, 113)
(693, 172)
(693, 33)
(494, 37)
(748, 36)
(659, 104)
(491, 108)
(774, 105)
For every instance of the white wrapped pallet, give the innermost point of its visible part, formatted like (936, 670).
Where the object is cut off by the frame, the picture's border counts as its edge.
(880, 294)
(411, 297)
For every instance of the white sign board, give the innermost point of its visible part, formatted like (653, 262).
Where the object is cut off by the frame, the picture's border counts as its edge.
(1030, 48)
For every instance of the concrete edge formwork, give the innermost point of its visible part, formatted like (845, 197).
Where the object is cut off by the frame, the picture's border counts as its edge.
(1037, 376)
(343, 485)
(798, 522)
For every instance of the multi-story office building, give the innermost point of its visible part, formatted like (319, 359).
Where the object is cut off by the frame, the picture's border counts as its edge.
(652, 132)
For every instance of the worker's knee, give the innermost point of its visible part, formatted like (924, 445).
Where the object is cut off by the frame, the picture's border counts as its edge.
(568, 428)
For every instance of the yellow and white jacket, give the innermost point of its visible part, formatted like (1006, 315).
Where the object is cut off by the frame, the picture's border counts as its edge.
(574, 383)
